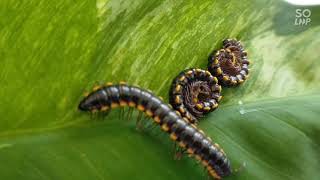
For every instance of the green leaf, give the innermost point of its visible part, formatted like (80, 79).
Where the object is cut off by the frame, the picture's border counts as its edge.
(52, 52)
(275, 139)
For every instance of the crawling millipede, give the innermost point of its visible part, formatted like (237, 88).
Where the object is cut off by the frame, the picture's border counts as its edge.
(194, 93)
(185, 134)
(230, 64)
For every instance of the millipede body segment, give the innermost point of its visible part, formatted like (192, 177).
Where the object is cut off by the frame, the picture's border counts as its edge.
(194, 93)
(229, 64)
(188, 136)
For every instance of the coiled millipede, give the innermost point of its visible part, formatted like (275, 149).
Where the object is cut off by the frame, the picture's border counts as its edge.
(194, 93)
(185, 134)
(230, 64)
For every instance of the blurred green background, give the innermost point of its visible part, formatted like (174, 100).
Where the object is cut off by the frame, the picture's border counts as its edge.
(51, 52)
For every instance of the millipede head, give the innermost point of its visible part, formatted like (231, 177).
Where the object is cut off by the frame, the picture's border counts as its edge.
(92, 101)
(84, 105)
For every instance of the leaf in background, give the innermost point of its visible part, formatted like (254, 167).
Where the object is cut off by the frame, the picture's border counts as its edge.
(51, 52)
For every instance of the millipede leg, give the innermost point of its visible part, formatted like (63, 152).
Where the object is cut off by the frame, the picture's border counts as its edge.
(102, 115)
(175, 151)
(93, 115)
(119, 114)
(152, 126)
(146, 122)
(138, 122)
(105, 114)
(129, 113)
(205, 170)
(122, 113)
(178, 152)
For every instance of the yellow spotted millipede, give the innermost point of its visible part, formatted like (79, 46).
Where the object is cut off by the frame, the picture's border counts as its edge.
(187, 135)
(230, 64)
(194, 93)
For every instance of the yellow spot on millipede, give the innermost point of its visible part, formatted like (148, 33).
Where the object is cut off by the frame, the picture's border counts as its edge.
(114, 105)
(109, 84)
(194, 126)
(204, 163)
(219, 89)
(198, 70)
(165, 127)
(214, 174)
(217, 145)
(105, 108)
(95, 88)
(182, 110)
(185, 119)
(215, 105)
(201, 132)
(140, 107)
(215, 79)
(149, 113)
(190, 151)
(198, 157)
(177, 100)
(123, 103)
(182, 78)
(181, 144)
(178, 88)
(199, 106)
(173, 136)
(157, 119)
(131, 104)
(219, 71)
(226, 78)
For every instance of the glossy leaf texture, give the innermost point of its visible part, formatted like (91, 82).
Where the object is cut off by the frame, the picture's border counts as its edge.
(53, 52)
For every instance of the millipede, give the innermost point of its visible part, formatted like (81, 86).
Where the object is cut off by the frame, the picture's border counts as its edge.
(189, 138)
(194, 93)
(230, 64)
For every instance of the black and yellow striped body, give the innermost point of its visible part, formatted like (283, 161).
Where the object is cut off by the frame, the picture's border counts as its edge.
(230, 64)
(180, 130)
(194, 93)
